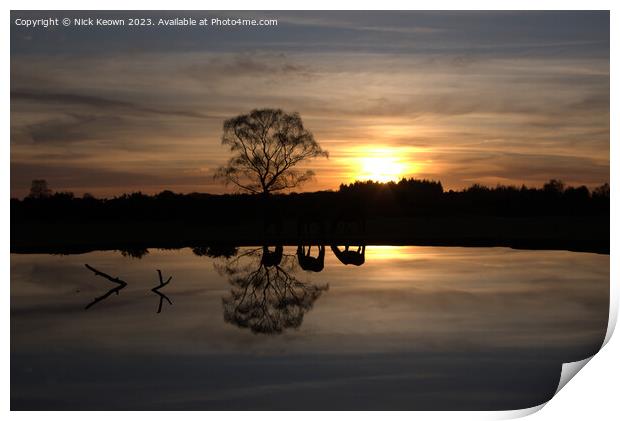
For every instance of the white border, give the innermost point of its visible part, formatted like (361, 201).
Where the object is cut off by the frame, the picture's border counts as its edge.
(592, 395)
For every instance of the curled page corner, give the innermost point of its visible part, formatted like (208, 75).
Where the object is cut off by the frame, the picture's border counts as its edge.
(569, 370)
(519, 413)
(613, 314)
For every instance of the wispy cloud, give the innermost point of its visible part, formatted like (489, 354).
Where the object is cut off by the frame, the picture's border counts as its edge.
(69, 99)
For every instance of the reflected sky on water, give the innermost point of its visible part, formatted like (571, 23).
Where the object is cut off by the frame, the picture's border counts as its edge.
(411, 328)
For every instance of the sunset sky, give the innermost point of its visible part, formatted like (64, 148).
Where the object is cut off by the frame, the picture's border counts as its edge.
(467, 97)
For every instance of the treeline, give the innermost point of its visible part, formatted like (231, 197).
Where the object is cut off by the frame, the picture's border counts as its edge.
(406, 198)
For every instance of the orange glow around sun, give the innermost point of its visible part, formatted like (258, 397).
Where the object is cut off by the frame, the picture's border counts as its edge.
(382, 164)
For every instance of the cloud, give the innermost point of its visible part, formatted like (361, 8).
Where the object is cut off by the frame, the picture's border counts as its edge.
(269, 65)
(69, 99)
(74, 128)
(490, 167)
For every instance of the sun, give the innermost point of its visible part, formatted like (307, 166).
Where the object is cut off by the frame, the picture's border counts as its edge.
(380, 168)
(381, 165)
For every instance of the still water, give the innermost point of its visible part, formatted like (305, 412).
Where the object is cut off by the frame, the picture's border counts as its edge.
(403, 328)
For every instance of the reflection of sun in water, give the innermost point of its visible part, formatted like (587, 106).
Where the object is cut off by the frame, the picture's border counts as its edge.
(382, 165)
(378, 253)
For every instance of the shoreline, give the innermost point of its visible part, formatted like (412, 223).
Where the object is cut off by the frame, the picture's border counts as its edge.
(580, 234)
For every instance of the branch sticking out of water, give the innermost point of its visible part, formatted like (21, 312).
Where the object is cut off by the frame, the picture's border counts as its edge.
(121, 284)
(162, 296)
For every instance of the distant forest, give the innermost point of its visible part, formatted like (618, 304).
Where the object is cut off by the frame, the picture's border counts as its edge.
(368, 199)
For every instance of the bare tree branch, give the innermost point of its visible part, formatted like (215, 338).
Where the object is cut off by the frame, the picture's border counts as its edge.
(162, 296)
(121, 284)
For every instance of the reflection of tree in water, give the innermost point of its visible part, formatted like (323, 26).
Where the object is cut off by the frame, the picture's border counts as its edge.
(215, 251)
(135, 252)
(267, 298)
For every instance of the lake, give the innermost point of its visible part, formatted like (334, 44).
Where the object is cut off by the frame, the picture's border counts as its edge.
(412, 328)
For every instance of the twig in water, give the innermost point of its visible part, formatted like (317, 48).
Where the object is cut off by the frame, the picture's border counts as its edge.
(121, 284)
(162, 296)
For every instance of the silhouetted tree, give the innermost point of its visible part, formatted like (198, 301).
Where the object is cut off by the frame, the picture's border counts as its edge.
(63, 196)
(39, 189)
(601, 191)
(267, 146)
(554, 187)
